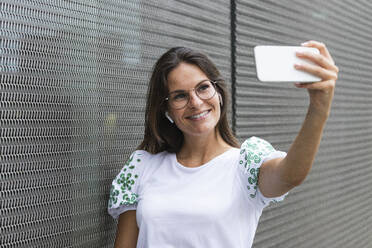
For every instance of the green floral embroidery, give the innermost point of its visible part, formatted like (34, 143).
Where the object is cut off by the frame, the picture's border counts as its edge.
(252, 180)
(129, 199)
(125, 180)
(252, 152)
(113, 196)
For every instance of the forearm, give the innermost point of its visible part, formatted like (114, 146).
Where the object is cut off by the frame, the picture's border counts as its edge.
(300, 157)
(278, 176)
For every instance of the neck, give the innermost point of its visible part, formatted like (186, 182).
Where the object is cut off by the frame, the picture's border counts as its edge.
(197, 150)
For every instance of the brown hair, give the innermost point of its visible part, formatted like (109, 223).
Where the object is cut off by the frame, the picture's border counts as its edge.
(160, 134)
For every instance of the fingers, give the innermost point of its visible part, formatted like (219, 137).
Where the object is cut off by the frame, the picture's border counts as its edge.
(318, 71)
(325, 67)
(324, 85)
(318, 59)
(321, 47)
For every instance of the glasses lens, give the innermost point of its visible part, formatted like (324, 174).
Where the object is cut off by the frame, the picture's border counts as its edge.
(205, 90)
(178, 100)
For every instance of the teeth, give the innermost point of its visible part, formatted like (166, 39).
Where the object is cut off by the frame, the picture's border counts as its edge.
(199, 115)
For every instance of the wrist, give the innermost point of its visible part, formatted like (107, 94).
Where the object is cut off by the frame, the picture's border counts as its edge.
(320, 106)
(321, 114)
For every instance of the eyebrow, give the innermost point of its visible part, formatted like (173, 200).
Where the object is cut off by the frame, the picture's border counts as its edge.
(179, 91)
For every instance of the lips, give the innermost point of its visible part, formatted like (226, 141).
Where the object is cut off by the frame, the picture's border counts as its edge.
(198, 115)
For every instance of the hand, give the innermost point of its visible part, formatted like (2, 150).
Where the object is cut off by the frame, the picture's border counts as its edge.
(321, 93)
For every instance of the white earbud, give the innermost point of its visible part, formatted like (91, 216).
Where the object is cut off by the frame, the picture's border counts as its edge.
(220, 97)
(168, 117)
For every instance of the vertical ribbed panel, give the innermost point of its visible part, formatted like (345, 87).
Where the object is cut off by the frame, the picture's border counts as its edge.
(332, 208)
(74, 78)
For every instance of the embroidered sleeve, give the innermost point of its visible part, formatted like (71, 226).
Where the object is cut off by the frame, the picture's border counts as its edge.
(253, 152)
(124, 188)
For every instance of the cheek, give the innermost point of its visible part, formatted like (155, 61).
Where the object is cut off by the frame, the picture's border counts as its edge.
(176, 114)
(219, 110)
(217, 105)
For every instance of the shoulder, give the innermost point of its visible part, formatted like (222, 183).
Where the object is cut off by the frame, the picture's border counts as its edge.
(136, 165)
(136, 160)
(255, 144)
(126, 187)
(254, 149)
(253, 153)
(140, 159)
(142, 155)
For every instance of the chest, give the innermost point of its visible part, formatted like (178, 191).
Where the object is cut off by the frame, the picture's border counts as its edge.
(204, 196)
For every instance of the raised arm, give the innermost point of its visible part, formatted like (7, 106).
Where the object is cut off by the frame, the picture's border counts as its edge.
(278, 176)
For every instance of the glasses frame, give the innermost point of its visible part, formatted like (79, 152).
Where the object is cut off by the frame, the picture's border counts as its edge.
(214, 84)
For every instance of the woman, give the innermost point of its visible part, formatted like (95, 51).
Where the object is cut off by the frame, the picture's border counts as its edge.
(190, 184)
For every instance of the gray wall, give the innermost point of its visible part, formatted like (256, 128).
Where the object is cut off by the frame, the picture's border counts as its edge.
(74, 77)
(332, 208)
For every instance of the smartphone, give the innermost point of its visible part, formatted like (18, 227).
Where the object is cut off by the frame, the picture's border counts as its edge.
(276, 64)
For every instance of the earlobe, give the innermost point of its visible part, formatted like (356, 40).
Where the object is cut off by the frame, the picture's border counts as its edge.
(168, 117)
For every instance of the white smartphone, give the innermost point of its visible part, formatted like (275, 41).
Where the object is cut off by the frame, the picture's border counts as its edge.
(276, 64)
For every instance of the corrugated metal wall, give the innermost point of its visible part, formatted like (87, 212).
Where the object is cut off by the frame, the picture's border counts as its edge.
(74, 76)
(332, 208)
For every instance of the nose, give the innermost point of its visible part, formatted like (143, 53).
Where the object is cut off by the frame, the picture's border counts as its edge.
(194, 99)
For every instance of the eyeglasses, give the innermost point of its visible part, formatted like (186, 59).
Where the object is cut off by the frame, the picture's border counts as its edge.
(205, 90)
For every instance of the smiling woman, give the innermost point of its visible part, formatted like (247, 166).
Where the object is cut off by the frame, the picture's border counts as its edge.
(198, 117)
(189, 183)
(179, 71)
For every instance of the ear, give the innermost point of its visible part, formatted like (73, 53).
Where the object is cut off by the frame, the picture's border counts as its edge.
(168, 117)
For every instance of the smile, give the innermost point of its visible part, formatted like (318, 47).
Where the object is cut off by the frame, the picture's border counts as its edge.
(199, 116)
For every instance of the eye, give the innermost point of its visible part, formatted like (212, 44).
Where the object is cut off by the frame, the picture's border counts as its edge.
(179, 96)
(203, 87)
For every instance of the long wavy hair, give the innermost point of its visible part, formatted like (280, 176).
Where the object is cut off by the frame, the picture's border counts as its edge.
(160, 134)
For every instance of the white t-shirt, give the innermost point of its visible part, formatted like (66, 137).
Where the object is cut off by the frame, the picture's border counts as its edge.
(217, 204)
